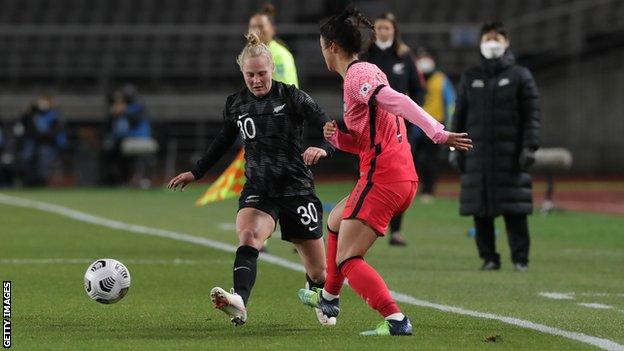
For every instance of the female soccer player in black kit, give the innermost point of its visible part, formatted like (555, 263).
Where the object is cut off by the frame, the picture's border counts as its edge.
(270, 117)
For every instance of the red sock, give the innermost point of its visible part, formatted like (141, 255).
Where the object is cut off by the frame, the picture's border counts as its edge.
(335, 279)
(365, 280)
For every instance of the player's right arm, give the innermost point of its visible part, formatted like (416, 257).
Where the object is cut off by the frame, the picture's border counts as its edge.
(341, 140)
(224, 140)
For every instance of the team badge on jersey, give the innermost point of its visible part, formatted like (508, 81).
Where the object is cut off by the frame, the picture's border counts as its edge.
(365, 89)
(278, 108)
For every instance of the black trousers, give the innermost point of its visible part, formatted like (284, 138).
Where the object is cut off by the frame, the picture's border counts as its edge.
(395, 224)
(517, 235)
(426, 160)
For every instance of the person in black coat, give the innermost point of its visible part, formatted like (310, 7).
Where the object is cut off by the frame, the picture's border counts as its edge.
(393, 57)
(498, 105)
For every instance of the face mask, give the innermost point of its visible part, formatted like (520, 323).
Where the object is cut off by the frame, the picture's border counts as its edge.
(492, 49)
(425, 65)
(383, 45)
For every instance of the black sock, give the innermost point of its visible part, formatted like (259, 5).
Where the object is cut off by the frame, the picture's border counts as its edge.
(312, 284)
(245, 271)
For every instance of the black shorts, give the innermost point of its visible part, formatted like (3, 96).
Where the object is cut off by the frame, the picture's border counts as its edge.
(299, 216)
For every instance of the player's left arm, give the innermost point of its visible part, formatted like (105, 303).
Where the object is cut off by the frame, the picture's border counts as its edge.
(314, 115)
(401, 105)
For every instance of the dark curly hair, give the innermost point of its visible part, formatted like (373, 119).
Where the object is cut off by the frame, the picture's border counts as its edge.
(344, 30)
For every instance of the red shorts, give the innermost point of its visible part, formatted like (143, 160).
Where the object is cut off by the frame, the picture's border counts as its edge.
(376, 204)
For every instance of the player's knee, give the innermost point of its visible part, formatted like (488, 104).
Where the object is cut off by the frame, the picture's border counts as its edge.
(341, 258)
(347, 254)
(333, 222)
(250, 237)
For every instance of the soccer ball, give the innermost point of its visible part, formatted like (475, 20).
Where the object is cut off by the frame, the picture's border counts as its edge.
(107, 280)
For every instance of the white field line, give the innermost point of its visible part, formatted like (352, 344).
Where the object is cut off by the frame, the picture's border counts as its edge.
(601, 343)
(573, 295)
(557, 296)
(595, 305)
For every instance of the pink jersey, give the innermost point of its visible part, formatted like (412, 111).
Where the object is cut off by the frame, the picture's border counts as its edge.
(376, 135)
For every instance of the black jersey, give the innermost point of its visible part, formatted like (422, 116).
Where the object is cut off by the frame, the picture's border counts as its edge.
(271, 128)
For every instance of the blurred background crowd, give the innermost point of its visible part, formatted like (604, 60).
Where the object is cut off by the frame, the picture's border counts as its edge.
(128, 92)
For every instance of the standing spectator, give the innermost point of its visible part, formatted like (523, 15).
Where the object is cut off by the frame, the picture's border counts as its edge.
(128, 118)
(263, 23)
(498, 105)
(135, 113)
(393, 57)
(117, 128)
(440, 103)
(41, 139)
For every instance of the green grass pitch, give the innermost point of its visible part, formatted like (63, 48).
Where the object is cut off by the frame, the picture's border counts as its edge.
(168, 306)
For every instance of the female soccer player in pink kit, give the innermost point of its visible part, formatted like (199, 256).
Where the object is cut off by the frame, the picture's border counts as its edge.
(374, 115)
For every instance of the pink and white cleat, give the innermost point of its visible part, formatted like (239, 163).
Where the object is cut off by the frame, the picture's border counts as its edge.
(230, 303)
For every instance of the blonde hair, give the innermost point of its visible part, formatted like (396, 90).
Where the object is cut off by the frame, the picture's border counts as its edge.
(254, 48)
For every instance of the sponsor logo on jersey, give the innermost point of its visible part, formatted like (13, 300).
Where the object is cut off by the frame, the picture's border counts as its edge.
(243, 115)
(478, 83)
(503, 82)
(312, 228)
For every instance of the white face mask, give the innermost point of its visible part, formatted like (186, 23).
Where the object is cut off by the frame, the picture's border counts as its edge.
(383, 45)
(492, 49)
(426, 65)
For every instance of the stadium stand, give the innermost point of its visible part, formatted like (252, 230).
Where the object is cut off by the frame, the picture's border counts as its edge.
(181, 55)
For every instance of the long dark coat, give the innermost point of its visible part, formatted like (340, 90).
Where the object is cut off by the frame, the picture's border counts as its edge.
(498, 105)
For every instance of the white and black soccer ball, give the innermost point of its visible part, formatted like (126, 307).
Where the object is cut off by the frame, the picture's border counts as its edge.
(107, 280)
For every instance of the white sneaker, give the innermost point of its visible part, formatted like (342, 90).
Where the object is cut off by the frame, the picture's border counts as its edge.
(230, 303)
(322, 318)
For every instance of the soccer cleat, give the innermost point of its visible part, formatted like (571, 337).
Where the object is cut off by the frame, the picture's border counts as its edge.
(521, 267)
(322, 318)
(230, 303)
(391, 327)
(314, 298)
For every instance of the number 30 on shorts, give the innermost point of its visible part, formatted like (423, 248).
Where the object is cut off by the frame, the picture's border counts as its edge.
(308, 214)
